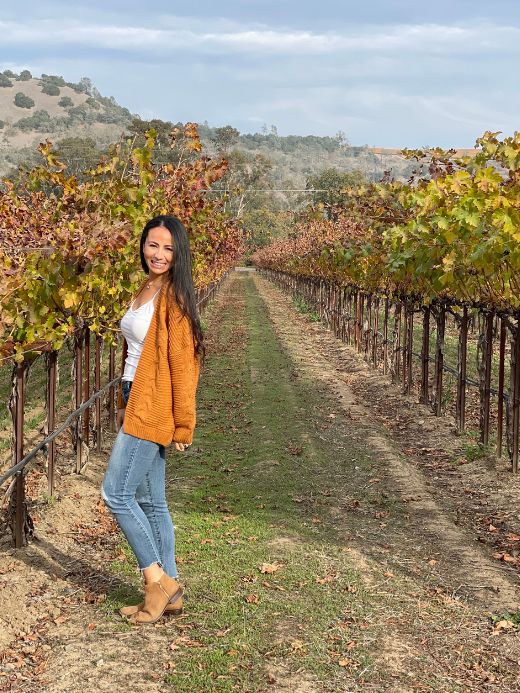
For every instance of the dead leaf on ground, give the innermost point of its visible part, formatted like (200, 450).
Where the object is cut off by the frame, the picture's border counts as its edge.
(269, 568)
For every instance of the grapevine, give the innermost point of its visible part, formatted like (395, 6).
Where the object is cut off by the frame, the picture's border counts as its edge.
(452, 235)
(68, 246)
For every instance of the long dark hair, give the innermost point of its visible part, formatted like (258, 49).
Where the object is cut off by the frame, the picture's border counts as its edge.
(180, 279)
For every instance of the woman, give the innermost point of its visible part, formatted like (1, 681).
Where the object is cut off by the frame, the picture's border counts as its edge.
(161, 352)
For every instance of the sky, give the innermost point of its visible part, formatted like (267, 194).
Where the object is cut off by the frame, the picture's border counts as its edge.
(386, 73)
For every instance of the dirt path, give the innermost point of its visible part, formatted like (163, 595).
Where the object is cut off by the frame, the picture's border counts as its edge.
(319, 555)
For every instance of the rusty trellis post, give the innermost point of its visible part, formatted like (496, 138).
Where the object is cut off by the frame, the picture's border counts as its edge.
(86, 387)
(78, 379)
(52, 361)
(361, 312)
(368, 330)
(408, 352)
(97, 386)
(111, 393)
(514, 396)
(486, 350)
(439, 359)
(501, 369)
(18, 508)
(460, 409)
(375, 337)
(385, 335)
(396, 355)
(425, 357)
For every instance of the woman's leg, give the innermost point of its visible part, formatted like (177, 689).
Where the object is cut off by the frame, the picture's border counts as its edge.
(131, 459)
(151, 497)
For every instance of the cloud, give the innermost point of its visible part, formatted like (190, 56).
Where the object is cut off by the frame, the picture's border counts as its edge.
(389, 84)
(422, 38)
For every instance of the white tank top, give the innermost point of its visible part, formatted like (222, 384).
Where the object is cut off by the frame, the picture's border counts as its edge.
(134, 326)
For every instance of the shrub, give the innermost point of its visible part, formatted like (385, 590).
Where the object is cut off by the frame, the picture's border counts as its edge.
(92, 102)
(24, 76)
(10, 73)
(23, 101)
(41, 120)
(50, 89)
(54, 79)
(5, 81)
(65, 102)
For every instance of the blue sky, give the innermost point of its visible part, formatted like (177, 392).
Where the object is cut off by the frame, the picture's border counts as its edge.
(386, 73)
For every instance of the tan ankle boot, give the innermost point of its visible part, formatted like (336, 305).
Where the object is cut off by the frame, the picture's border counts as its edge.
(173, 608)
(157, 596)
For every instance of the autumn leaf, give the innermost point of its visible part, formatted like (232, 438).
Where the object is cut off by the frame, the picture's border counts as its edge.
(252, 599)
(269, 568)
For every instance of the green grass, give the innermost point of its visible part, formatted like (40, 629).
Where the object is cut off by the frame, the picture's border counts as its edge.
(306, 309)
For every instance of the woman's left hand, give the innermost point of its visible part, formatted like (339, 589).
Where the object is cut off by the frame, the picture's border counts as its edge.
(181, 446)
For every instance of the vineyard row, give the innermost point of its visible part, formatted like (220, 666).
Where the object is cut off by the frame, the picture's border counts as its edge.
(484, 345)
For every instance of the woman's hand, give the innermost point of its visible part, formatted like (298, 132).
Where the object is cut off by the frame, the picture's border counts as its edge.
(120, 417)
(181, 446)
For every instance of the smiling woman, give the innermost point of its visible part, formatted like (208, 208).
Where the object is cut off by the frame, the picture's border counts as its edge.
(163, 344)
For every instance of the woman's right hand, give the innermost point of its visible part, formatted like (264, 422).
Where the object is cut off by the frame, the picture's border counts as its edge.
(120, 417)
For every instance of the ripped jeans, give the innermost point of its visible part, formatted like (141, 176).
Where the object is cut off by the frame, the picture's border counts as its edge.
(134, 490)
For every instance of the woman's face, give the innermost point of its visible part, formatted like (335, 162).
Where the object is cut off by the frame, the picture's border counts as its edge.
(158, 251)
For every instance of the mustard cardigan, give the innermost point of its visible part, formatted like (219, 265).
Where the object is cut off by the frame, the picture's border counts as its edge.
(161, 407)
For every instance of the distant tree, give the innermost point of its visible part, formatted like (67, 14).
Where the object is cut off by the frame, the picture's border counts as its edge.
(92, 102)
(86, 85)
(163, 152)
(23, 101)
(24, 76)
(39, 121)
(5, 81)
(225, 138)
(54, 79)
(10, 73)
(50, 89)
(65, 102)
(263, 225)
(330, 185)
(82, 114)
(79, 153)
(247, 173)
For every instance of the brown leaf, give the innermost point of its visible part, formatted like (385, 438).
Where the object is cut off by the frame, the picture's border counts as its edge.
(326, 579)
(252, 599)
(297, 645)
(269, 568)
(504, 625)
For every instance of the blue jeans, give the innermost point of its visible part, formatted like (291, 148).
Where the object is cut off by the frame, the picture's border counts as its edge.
(134, 491)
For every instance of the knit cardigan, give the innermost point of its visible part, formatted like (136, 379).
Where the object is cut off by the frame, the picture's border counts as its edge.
(161, 407)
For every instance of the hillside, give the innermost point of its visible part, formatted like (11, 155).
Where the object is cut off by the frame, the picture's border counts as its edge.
(51, 108)
(66, 110)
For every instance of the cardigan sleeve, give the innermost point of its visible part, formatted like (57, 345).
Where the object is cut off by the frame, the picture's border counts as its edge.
(184, 373)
